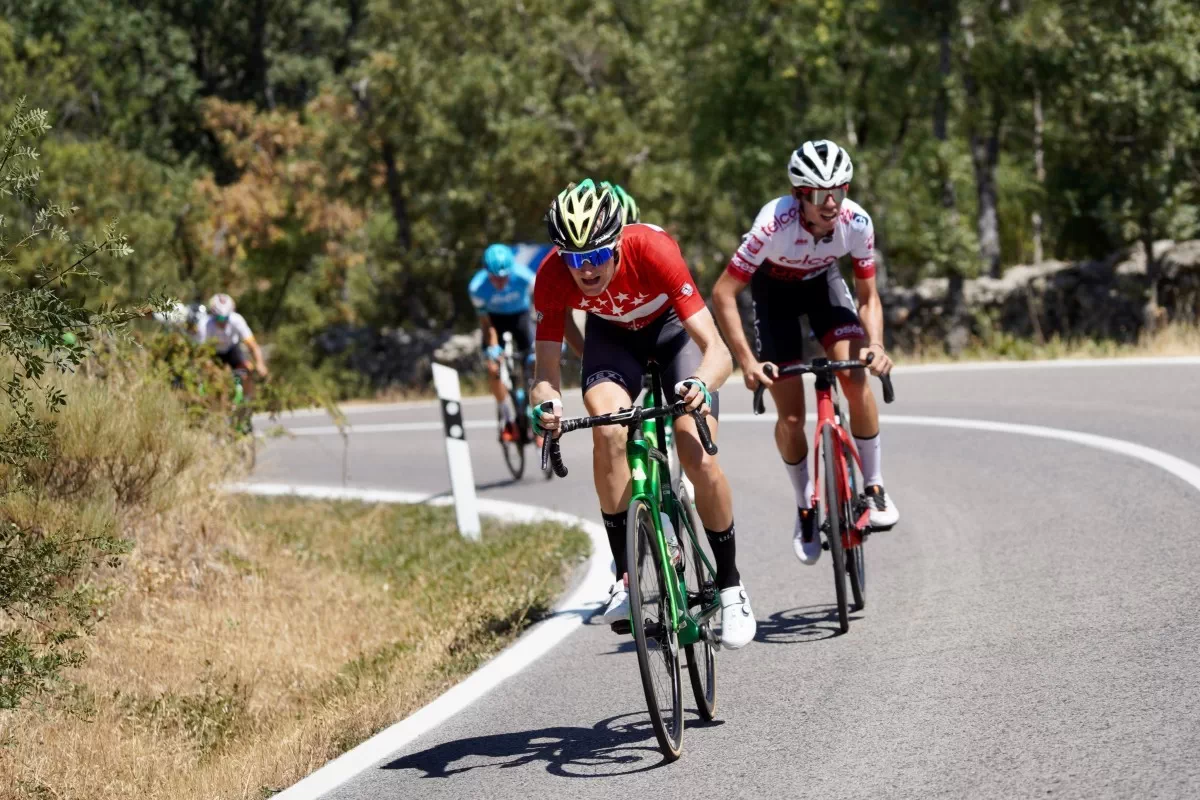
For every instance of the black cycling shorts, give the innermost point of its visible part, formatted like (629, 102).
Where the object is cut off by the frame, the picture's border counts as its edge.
(234, 357)
(617, 354)
(779, 304)
(520, 325)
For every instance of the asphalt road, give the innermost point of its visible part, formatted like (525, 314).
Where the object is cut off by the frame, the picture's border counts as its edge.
(1032, 627)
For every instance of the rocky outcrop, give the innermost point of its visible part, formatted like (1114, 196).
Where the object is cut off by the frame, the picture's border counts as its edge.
(1094, 299)
(398, 356)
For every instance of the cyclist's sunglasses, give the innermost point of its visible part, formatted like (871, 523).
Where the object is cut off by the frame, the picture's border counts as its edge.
(817, 196)
(597, 258)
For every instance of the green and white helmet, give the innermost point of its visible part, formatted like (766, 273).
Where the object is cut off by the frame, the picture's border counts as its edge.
(629, 208)
(585, 216)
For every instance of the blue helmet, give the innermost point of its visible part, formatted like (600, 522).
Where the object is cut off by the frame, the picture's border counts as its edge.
(498, 259)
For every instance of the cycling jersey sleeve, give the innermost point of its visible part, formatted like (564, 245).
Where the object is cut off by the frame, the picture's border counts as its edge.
(753, 250)
(862, 244)
(549, 292)
(241, 327)
(660, 253)
(474, 288)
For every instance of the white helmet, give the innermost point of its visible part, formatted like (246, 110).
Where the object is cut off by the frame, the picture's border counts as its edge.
(820, 164)
(221, 305)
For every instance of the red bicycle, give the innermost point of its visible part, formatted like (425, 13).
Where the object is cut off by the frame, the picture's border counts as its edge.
(844, 517)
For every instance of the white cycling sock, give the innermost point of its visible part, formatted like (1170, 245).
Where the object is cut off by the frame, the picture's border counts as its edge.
(801, 483)
(869, 452)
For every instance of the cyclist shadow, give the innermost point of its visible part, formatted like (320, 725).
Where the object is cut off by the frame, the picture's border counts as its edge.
(619, 745)
(801, 624)
(479, 487)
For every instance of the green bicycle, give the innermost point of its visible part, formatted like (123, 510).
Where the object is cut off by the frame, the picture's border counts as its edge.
(672, 603)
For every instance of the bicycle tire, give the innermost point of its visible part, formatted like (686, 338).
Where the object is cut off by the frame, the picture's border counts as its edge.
(829, 487)
(701, 655)
(856, 557)
(657, 645)
(514, 452)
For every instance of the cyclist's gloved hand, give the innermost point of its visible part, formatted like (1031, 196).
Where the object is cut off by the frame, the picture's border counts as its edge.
(493, 352)
(544, 420)
(693, 392)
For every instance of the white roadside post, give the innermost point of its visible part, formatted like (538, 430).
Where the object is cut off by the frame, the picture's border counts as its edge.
(462, 477)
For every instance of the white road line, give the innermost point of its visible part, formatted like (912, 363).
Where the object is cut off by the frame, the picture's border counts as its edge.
(569, 614)
(1051, 363)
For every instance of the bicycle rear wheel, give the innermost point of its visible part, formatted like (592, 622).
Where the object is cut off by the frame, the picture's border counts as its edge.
(701, 655)
(653, 630)
(833, 524)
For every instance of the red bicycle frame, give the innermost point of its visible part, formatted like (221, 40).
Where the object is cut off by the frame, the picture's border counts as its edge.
(852, 533)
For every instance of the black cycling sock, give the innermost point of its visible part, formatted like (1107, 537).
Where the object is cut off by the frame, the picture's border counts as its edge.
(724, 549)
(614, 526)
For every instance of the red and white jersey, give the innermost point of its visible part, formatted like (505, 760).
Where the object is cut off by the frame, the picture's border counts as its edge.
(780, 243)
(651, 278)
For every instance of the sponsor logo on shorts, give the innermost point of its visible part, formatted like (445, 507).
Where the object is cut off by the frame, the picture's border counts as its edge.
(848, 330)
(604, 375)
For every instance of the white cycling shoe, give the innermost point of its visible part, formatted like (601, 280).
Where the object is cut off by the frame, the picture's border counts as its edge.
(617, 609)
(884, 513)
(806, 539)
(737, 618)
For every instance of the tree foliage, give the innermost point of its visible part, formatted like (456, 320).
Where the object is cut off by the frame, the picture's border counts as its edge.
(344, 162)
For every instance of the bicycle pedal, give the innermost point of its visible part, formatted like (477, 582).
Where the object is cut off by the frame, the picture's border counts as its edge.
(621, 627)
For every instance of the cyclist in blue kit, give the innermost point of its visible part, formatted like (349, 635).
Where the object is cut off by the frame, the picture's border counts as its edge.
(502, 293)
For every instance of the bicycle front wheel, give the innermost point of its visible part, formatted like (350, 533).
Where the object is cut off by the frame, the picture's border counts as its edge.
(653, 630)
(833, 524)
(856, 556)
(701, 655)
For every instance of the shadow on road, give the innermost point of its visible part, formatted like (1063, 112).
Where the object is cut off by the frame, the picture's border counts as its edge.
(802, 624)
(619, 745)
(479, 488)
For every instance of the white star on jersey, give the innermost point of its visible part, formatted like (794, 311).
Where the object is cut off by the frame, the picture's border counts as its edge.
(622, 297)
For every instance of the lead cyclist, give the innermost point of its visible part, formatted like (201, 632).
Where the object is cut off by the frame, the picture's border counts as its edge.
(789, 261)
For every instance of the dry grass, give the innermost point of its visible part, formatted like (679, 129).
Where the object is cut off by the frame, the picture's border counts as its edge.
(1176, 339)
(252, 640)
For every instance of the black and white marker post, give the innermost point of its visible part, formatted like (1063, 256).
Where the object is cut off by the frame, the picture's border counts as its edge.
(462, 477)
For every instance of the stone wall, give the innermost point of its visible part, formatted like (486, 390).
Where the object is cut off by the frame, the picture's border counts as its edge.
(1092, 299)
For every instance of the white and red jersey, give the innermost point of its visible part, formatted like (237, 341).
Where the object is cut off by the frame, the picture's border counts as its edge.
(650, 279)
(780, 244)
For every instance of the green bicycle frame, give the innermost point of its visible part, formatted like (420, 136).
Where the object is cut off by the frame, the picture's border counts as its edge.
(660, 496)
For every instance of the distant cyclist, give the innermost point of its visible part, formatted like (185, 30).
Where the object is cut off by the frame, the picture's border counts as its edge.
(501, 293)
(228, 330)
(789, 261)
(191, 319)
